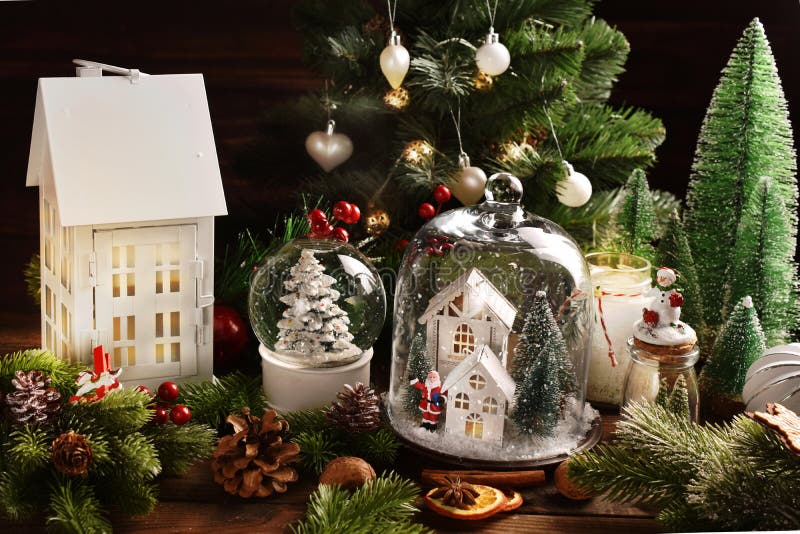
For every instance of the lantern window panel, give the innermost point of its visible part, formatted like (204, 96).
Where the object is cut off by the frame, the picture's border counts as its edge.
(474, 426)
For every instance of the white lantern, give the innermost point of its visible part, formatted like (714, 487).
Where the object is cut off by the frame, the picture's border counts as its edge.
(129, 185)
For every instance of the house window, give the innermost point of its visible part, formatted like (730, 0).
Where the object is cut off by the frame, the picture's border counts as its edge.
(477, 382)
(474, 426)
(490, 405)
(463, 340)
(462, 401)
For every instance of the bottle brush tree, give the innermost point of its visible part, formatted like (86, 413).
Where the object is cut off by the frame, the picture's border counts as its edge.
(636, 219)
(418, 366)
(746, 134)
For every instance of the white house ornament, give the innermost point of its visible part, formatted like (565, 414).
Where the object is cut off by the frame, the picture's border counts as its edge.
(575, 190)
(329, 149)
(395, 61)
(471, 182)
(493, 58)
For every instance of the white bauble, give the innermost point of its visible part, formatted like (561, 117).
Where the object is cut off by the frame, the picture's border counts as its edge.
(395, 61)
(775, 377)
(575, 190)
(471, 183)
(493, 58)
(329, 149)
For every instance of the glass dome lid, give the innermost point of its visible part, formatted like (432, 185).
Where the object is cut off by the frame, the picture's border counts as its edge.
(317, 303)
(492, 324)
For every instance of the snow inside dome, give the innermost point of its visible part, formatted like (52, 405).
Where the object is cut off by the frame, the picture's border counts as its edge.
(317, 303)
(491, 342)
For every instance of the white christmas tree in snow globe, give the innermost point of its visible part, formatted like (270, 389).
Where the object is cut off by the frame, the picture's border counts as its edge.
(313, 325)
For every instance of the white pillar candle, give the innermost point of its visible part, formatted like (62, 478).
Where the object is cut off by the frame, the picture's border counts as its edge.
(620, 282)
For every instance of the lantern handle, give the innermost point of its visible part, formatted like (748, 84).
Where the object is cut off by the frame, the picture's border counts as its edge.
(132, 74)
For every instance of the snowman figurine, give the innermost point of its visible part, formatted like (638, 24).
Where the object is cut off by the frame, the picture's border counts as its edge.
(660, 330)
(665, 309)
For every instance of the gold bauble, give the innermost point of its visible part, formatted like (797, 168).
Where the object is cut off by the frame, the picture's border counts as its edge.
(396, 99)
(417, 151)
(483, 82)
(511, 151)
(376, 220)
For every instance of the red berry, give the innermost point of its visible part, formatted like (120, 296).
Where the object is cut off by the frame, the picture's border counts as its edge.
(317, 216)
(168, 391)
(426, 211)
(441, 194)
(321, 228)
(341, 234)
(180, 414)
(343, 211)
(448, 246)
(145, 390)
(401, 245)
(355, 214)
(160, 415)
(230, 337)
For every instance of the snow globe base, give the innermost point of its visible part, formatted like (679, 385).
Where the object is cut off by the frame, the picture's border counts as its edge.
(290, 387)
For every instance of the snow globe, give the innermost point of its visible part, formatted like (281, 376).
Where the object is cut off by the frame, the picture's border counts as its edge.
(492, 337)
(316, 306)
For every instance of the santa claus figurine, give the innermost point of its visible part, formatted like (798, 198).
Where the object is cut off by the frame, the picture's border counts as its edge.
(433, 398)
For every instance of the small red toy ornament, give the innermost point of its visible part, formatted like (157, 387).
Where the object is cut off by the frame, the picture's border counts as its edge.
(441, 194)
(168, 391)
(180, 414)
(341, 234)
(426, 211)
(160, 415)
(230, 337)
(650, 317)
(93, 386)
(145, 390)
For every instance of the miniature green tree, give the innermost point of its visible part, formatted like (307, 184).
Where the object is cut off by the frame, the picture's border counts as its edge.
(675, 252)
(636, 218)
(675, 398)
(542, 371)
(740, 343)
(763, 263)
(418, 366)
(746, 134)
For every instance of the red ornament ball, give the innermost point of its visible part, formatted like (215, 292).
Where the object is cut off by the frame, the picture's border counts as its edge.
(145, 390)
(160, 415)
(230, 337)
(341, 234)
(401, 245)
(441, 194)
(355, 215)
(321, 228)
(180, 414)
(343, 211)
(168, 391)
(426, 211)
(316, 216)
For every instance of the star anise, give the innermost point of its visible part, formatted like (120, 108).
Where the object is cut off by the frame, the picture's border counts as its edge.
(456, 493)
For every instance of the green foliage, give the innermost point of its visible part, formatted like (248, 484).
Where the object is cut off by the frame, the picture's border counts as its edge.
(675, 252)
(212, 401)
(29, 448)
(180, 447)
(75, 509)
(745, 135)
(321, 441)
(232, 272)
(61, 372)
(674, 398)
(635, 218)
(120, 411)
(763, 263)
(735, 476)
(740, 343)
(385, 504)
(418, 366)
(542, 370)
(33, 278)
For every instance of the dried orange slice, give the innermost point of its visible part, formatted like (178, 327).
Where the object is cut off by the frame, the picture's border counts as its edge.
(488, 502)
(513, 500)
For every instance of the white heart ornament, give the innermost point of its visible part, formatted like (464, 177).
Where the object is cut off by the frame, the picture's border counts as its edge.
(329, 149)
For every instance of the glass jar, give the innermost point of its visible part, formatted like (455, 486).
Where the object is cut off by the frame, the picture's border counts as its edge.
(473, 285)
(317, 303)
(620, 282)
(661, 378)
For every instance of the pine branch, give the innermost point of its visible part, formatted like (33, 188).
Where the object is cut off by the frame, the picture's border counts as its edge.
(119, 412)
(21, 496)
(33, 278)
(75, 509)
(232, 274)
(29, 448)
(378, 448)
(317, 449)
(136, 457)
(302, 421)
(211, 402)
(180, 447)
(382, 505)
(61, 372)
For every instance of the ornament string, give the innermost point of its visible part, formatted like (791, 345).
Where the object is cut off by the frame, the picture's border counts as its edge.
(392, 13)
(492, 13)
(553, 131)
(457, 124)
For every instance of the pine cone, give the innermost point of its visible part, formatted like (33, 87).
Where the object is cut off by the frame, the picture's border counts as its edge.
(34, 401)
(356, 410)
(252, 462)
(72, 454)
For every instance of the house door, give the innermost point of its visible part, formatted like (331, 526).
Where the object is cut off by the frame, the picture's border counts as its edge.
(146, 300)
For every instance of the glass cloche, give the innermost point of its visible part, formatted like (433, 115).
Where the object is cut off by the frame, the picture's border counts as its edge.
(491, 344)
(317, 303)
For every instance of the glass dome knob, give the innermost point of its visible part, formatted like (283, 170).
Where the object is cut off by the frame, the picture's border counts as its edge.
(504, 188)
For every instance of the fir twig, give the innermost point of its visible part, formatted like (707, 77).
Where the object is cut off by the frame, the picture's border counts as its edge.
(75, 509)
(211, 402)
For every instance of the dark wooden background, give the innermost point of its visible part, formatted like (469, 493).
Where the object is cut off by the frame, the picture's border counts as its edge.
(250, 57)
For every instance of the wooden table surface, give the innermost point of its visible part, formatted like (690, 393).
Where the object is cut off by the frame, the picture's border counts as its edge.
(193, 503)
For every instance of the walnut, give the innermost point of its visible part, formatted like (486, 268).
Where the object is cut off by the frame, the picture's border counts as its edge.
(349, 472)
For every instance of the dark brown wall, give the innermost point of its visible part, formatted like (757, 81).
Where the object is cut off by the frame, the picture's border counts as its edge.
(251, 58)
